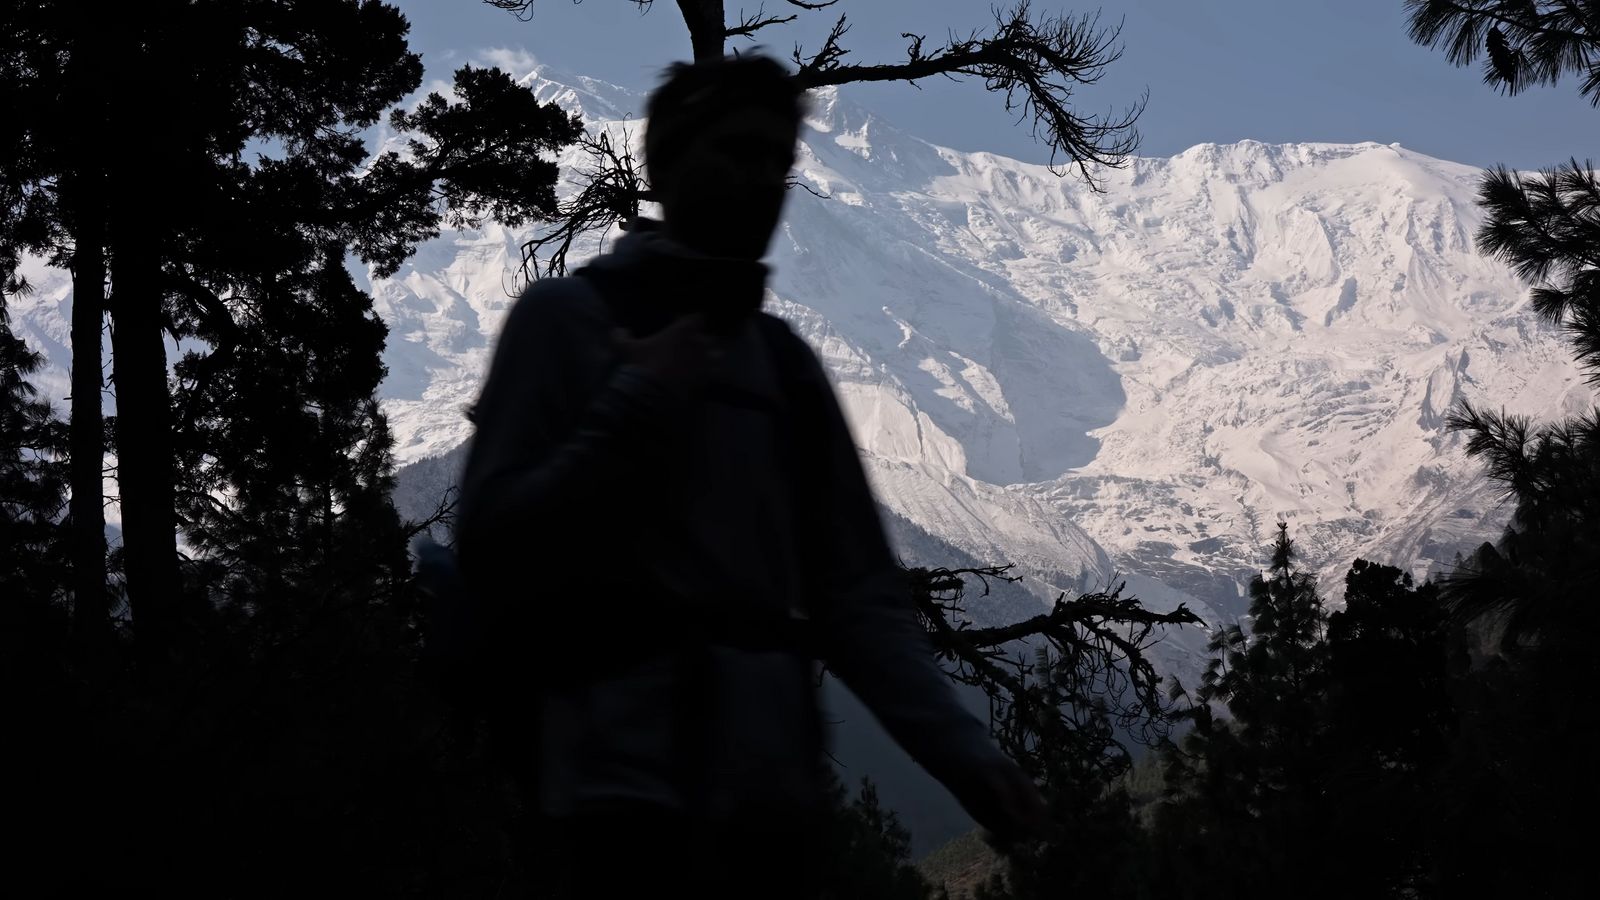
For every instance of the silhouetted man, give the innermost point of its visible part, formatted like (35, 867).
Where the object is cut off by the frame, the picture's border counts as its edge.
(663, 483)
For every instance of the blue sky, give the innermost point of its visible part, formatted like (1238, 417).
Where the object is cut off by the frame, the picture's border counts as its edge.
(1216, 70)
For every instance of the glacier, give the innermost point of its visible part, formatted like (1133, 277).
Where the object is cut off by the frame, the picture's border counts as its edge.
(1135, 382)
(1132, 383)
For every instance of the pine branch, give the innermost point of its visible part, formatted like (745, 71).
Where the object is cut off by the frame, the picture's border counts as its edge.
(1547, 227)
(1524, 42)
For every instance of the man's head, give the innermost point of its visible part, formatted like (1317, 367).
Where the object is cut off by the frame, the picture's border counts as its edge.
(719, 145)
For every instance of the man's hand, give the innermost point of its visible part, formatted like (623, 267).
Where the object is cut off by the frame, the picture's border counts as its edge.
(1005, 801)
(680, 354)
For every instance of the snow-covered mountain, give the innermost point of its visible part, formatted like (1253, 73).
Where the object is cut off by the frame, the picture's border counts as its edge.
(1140, 380)
(1134, 382)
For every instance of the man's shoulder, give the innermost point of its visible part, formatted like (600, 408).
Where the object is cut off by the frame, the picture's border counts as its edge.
(557, 302)
(774, 322)
(789, 349)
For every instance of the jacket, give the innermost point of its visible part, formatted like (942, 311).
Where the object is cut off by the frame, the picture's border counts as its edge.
(621, 521)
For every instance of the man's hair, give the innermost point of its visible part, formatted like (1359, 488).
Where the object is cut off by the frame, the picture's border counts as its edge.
(692, 95)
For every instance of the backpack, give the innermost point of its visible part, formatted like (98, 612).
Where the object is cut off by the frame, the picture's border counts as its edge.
(468, 658)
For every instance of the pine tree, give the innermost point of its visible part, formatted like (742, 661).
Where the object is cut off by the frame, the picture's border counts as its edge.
(279, 735)
(1246, 811)
(1270, 680)
(1523, 43)
(1546, 226)
(33, 614)
(32, 483)
(1524, 595)
(1391, 718)
(866, 851)
(50, 170)
(187, 227)
(286, 461)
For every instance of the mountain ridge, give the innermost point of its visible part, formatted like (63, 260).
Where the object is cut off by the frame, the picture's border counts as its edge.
(1086, 383)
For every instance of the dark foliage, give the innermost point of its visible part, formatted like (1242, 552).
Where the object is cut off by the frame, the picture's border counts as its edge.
(1531, 585)
(1244, 790)
(867, 853)
(193, 231)
(1523, 43)
(32, 483)
(1547, 226)
(1068, 690)
(259, 725)
(1315, 764)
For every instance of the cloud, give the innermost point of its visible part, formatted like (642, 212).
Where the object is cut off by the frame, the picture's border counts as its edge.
(514, 60)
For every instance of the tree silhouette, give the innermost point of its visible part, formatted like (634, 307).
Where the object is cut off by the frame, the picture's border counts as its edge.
(1511, 823)
(188, 228)
(1036, 63)
(1069, 689)
(270, 726)
(1546, 226)
(867, 852)
(51, 172)
(1522, 42)
(1245, 813)
(1062, 684)
(32, 483)
(285, 457)
(1391, 718)
(1340, 769)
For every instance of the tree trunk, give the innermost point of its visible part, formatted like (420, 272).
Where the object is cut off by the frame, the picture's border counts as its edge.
(87, 535)
(707, 27)
(144, 444)
(145, 467)
(86, 432)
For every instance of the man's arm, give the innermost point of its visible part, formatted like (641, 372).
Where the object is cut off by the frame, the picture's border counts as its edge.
(875, 643)
(872, 637)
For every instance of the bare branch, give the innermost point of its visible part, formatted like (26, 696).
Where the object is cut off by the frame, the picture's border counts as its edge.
(612, 190)
(523, 9)
(749, 25)
(444, 513)
(1085, 609)
(794, 181)
(1058, 714)
(1037, 65)
(826, 58)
